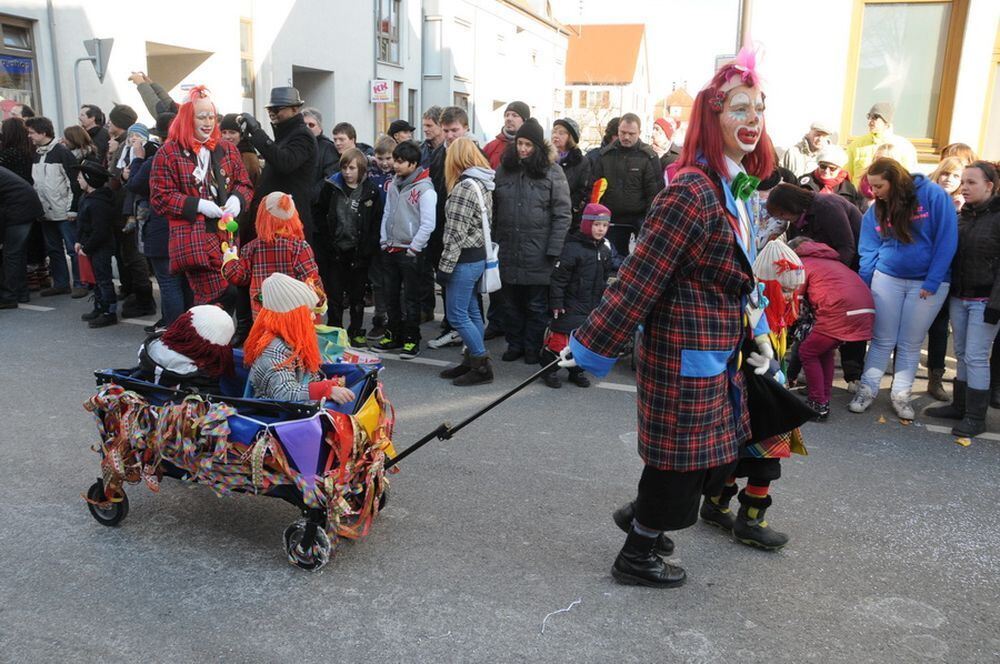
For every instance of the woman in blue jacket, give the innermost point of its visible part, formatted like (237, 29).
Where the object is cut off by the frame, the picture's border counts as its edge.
(908, 240)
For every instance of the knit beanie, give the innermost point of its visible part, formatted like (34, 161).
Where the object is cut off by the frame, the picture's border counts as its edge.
(281, 294)
(532, 131)
(778, 262)
(122, 116)
(571, 126)
(229, 122)
(141, 129)
(668, 125)
(593, 212)
(884, 110)
(520, 108)
(277, 217)
(202, 334)
(94, 173)
(832, 154)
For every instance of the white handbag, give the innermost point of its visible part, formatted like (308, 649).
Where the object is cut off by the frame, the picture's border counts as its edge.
(490, 281)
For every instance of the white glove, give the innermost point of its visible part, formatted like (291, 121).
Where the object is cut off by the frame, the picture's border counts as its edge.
(232, 206)
(209, 209)
(759, 363)
(566, 360)
(763, 342)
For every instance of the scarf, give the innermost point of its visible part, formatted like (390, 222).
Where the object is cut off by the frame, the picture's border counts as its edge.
(508, 135)
(831, 184)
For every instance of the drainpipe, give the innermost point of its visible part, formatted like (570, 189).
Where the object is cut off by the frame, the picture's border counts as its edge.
(375, 26)
(55, 62)
(743, 26)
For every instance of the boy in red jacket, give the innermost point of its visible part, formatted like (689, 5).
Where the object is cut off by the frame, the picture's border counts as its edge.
(843, 309)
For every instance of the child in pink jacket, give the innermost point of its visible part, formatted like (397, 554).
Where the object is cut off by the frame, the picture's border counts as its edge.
(843, 309)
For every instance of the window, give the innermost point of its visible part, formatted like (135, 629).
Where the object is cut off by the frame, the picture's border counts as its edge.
(387, 31)
(432, 48)
(246, 58)
(581, 99)
(501, 46)
(569, 99)
(386, 112)
(462, 101)
(411, 106)
(18, 70)
(906, 53)
(605, 101)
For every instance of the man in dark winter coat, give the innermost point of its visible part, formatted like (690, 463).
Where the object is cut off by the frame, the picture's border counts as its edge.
(515, 115)
(327, 159)
(289, 159)
(532, 214)
(92, 119)
(19, 208)
(634, 177)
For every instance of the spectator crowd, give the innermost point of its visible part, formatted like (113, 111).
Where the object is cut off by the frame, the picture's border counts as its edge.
(209, 205)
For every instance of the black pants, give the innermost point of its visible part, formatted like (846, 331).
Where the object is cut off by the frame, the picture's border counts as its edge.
(497, 313)
(669, 499)
(527, 316)
(937, 339)
(132, 269)
(344, 277)
(852, 359)
(403, 275)
(104, 289)
(428, 279)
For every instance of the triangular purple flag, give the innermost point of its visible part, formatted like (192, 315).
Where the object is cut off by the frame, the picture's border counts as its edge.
(302, 440)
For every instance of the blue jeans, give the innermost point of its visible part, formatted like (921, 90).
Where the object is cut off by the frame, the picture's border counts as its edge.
(171, 291)
(973, 339)
(15, 264)
(60, 236)
(462, 307)
(901, 322)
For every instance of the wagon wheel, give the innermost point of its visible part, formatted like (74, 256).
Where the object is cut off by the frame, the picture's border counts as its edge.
(110, 515)
(302, 553)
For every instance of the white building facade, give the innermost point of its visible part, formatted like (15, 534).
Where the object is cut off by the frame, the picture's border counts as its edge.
(331, 51)
(483, 54)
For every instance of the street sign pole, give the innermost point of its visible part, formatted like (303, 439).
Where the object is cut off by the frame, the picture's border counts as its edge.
(99, 51)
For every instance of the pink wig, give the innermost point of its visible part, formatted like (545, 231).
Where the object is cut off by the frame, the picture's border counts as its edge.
(703, 141)
(182, 128)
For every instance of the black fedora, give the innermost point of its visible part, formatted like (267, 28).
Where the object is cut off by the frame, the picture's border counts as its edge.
(286, 96)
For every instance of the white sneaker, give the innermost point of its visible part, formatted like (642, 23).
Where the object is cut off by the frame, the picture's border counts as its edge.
(452, 338)
(901, 404)
(862, 400)
(852, 387)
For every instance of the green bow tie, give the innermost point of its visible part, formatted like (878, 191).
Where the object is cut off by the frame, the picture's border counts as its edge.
(744, 185)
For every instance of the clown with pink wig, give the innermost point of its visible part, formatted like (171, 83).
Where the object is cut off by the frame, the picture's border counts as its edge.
(196, 179)
(690, 283)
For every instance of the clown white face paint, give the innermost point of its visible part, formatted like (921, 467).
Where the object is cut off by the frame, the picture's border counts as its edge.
(742, 121)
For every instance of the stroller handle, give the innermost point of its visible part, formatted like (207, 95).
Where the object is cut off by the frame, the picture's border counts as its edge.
(445, 431)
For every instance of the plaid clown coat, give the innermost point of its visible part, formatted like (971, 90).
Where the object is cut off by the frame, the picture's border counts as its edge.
(195, 245)
(687, 283)
(259, 260)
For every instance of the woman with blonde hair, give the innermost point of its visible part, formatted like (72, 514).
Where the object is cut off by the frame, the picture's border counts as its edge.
(948, 175)
(469, 181)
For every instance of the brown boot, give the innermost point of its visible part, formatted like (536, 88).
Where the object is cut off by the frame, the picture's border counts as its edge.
(462, 369)
(480, 372)
(935, 385)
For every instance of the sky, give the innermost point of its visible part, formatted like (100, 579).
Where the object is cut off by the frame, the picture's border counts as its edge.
(683, 37)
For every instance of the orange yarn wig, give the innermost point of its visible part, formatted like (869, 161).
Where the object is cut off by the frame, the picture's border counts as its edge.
(277, 217)
(295, 328)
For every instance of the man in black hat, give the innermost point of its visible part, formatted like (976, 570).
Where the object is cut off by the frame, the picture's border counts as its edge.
(289, 166)
(289, 159)
(401, 130)
(515, 115)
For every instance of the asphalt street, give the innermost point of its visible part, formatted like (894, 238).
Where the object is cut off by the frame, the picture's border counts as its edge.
(487, 537)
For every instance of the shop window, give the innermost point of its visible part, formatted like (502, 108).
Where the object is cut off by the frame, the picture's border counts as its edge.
(18, 66)
(386, 112)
